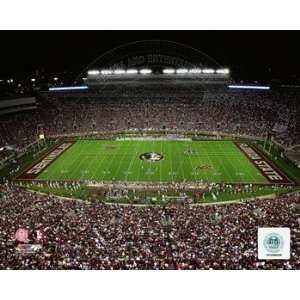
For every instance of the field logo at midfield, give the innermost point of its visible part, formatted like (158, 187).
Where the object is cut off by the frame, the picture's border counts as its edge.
(266, 168)
(48, 159)
(151, 156)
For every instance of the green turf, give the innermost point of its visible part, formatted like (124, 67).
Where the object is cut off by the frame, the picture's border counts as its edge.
(221, 161)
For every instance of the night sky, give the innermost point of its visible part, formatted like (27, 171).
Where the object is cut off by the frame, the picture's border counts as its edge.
(250, 54)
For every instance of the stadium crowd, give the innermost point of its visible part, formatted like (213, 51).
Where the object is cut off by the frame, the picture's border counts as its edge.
(158, 107)
(92, 235)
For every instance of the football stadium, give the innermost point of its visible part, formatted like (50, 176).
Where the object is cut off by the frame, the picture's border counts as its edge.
(154, 157)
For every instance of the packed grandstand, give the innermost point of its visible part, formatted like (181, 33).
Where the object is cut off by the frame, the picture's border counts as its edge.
(94, 234)
(213, 109)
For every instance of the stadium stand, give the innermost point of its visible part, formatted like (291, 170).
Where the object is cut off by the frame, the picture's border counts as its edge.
(213, 109)
(92, 235)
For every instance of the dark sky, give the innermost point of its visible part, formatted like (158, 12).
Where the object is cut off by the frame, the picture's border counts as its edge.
(250, 54)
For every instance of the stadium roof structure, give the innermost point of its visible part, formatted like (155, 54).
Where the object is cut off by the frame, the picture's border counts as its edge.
(158, 59)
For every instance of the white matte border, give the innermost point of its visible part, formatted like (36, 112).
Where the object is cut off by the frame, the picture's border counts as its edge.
(154, 14)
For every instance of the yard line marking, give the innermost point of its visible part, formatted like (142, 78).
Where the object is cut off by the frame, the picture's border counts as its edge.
(191, 163)
(83, 161)
(223, 167)
(212, 164)
(180, 163)
(160, 163)
(74, 172)
(171, 160)
(235, 169)
(140, 164)
(150, 161)
(120, 162)
(57, 171)
(103, 156)
(131, 160)
(230, 174)
(91, 161)
(246, 167)
(112, 159)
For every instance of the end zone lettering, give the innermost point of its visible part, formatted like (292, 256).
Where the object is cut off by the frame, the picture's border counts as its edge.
(267, 169)
(48, 159)
(250, 152)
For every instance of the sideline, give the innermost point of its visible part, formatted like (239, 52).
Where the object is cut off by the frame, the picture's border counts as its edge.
(229, 202)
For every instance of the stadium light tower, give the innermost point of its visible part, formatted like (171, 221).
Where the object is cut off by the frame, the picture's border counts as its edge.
(208, 71)
(195, 71)
(168, 71)
(93, 72)
(132, 71)
(223, 71)
(106, 72)
(145, 71)
(182, 71)
(119, 71)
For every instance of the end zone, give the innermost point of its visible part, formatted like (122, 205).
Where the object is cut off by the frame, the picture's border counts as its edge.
(265, 166)
(45, 161)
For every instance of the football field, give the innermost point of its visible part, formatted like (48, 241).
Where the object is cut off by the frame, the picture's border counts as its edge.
(156, 161)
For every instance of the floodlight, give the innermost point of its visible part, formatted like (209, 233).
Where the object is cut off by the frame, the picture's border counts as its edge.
(119, 71)
(132, 71)
(168, 71)
(195, 71)
(55, 78)
(93, 72)
(33, 79)
(68, 88)
(106, 72)
(208, 71)
(145, 71)
(182, 71)
(223, 71)
(250, 87)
